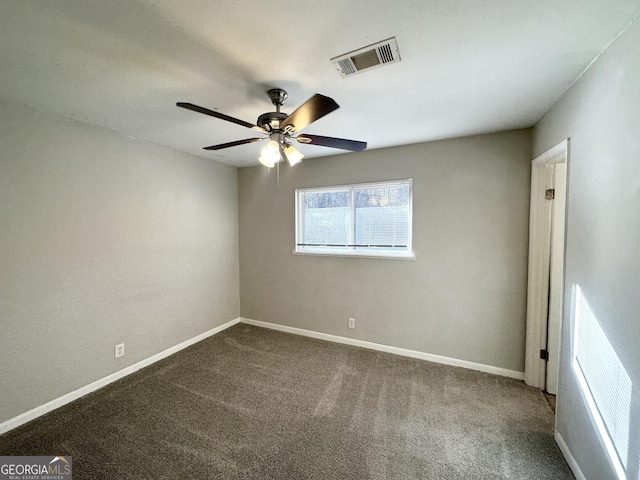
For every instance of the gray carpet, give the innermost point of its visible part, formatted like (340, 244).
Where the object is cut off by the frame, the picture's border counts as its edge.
(251, 403)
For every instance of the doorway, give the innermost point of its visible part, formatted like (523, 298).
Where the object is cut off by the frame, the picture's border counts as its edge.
(546, 268)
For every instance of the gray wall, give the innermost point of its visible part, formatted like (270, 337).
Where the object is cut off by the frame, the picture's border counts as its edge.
(601, 114)
(465, 294)
(103, 240)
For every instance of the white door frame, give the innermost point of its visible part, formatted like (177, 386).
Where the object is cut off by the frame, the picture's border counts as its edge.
(540, 230)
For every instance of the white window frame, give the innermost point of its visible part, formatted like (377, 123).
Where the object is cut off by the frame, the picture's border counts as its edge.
(352, 251)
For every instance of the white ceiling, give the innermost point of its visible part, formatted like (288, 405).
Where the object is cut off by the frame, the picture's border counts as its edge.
(468, 66)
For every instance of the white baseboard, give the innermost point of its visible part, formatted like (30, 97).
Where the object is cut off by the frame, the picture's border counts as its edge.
(569, 457)
(71, 396)
(386, 348)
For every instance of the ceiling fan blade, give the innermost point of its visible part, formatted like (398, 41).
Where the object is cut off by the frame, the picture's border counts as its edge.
(313, 109)
(343, 143)
(233, 144)
(221, 116)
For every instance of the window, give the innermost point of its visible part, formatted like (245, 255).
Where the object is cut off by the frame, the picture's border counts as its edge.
(372, 219)
(604, 382)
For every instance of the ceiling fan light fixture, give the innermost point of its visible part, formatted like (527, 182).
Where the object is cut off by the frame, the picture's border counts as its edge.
(270, 154)
(293, 155)
(265, 163)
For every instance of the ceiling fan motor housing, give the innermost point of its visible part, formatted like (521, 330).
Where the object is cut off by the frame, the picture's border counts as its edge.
(271, 121)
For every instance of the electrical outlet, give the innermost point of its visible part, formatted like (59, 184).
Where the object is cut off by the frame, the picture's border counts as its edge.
(352, 323)
(119, 350)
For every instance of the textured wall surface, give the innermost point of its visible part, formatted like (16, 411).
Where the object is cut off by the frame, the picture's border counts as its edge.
(464, 296)
(104, 240)
(601, 114)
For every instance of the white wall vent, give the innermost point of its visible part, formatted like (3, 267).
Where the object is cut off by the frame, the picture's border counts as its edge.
(366, 58)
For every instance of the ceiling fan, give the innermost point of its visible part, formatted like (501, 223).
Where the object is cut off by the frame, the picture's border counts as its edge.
(281, 128)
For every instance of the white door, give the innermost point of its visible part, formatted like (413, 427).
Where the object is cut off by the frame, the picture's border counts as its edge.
(546, 268)
(556, 277)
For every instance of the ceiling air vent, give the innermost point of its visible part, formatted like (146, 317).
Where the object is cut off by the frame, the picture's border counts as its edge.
(371, 56)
